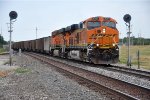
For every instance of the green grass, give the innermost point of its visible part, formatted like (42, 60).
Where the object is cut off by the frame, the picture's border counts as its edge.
(144, 55)
(2, 50)
(22, 70)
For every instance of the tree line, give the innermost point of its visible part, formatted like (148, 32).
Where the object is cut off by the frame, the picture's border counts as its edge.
(2, 41)
(135, 41)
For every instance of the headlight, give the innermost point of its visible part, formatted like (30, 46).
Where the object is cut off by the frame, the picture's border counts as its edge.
(104, 30)
(97, 45)
(113, 44)
(117, 49)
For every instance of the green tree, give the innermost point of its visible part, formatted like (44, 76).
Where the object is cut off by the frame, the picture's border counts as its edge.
(135, 41)
(2, 41)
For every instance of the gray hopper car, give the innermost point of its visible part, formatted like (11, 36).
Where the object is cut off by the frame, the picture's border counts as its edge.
(33, 45)
(47, 44)
(39, 45)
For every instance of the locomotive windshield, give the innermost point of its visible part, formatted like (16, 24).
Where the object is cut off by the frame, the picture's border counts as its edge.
(92, 25)
(109, 24)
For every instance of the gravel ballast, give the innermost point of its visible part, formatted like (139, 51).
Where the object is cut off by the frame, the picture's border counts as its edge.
(117, 75)
(41, 82)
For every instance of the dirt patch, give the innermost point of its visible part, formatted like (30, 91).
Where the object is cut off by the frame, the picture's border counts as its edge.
(4, 73)
(5, 68)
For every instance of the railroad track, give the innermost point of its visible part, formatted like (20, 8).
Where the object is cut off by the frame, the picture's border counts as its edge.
(116, 88)
(125, 70)
(129, 71)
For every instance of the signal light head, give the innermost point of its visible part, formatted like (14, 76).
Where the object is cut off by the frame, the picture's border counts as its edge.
(127, 18)
(13, 15)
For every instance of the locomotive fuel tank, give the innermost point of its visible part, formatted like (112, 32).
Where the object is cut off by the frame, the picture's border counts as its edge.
(74, 54)
(56, 52)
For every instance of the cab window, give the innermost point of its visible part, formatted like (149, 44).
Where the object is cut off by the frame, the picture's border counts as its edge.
(92, 25)
(109, 24)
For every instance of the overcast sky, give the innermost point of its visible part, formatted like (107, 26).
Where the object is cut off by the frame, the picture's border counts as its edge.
(49, 15)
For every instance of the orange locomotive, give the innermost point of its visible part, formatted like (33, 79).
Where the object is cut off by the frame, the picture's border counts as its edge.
(93, 40)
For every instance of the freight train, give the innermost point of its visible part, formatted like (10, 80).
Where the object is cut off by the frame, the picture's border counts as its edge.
(94, 40)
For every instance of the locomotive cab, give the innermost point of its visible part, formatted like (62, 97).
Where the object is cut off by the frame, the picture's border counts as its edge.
(102, 39)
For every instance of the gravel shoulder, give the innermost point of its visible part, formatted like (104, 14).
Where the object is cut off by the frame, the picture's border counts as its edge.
(34, 80)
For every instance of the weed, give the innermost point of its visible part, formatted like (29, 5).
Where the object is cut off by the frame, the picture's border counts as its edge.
(22, 70)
